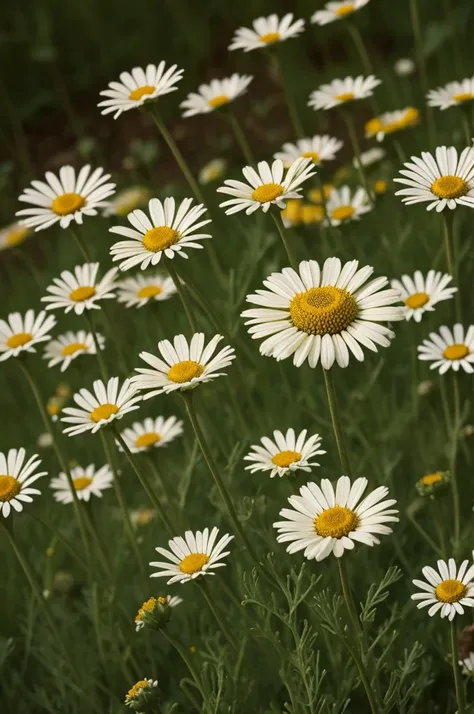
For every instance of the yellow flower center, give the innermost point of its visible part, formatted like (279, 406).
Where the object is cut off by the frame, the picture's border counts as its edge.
(430, 479)
(67, 203)
(343, 213)
(449, 187)
(81, 482)
(104, 411)
(463, 97)
(345, 9)
(267, 192)
(270, 37)
(83, 293)
(53, 407)
(316, 196)
(141, 92)
(136, 689)
(20, 339)
(185, 371)
(146, 607)
(311, 214)
(286, 458)
(160, 238)
(148, 439)
(292, 212)
(380, 186)
(17, 236)
(194, 562)
(149, 291)
(456, 352)
(345, 96)
(73, 348)
(323, 311)
(9, 487)
(218, 101)
(417, 300)
(144, 516)
(311, 155)
(336, 522)
(373, 126)
(450, 591)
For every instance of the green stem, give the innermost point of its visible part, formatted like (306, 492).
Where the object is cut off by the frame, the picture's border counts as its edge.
(290, 100)
(181, 290)
(346, 591)
(100, 357)
(467, 126)
(424, 535)
(186, 661)
(449, 247)
(452, 464)
(336, 422)
(420, 58)
(456, 669)
(240, 137)
(203, 587)
(356, 148)
(375, 708)
(80, 243)
(284, 237)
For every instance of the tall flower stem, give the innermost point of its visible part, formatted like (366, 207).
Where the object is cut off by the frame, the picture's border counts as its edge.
(456, 669)
(452, 460)
(360, 47)
(449, 247)
(346, 591)
(336, 422)
(82, 246)
(240, 137)
(215, 613)
(181, 290)
(100, 357)
(420, 59)
(356, 148)
(286, 242)
(187, 662)
(290, 100)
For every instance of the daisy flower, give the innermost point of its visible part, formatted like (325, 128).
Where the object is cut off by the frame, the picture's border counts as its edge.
(80, 290)
(142, 517)
(337, 11)
(139, 86)
(443, 180)
(192, 556)
(371, 156)
(167, 231)
(342, 91)
(449, 349)
(216, 94)
(267, 186)
(212, 171)
(65, 199)
(453, 94)
(101, 407)
(341, 207)
(391, 122)
(63, 349)
(404, 66)
(152, 433)
(447, 589)
(291, 215)
(380, 187)
(182, 366)
(126, 201)
(142, 289)
(143, 695)
(323, 314)
(421, 295)
(285, 454)
(319, 148)
(156, 612)
(324, 520)
(13, 235)
(266, 31)
(87, 482)
(429, 484)
(20, 334)
(467, 663)
(16, 478)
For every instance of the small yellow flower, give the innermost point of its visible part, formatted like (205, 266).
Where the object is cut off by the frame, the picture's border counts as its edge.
(13, 235)
(429, 483)
(380, 187)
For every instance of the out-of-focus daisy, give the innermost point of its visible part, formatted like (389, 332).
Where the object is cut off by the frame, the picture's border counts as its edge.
(324, 520)
(152, 433)
(315, 194)
(342, 91)
(391, 122)
(453, 94)
(13, 235)
(145, 288)
(266, 31)
(87, 482)
(216, 94)
(343, 207)
(140, 86)
(421, 295)
(291, 215)
(44, 440)
(425, 387)
(80, 290)
(467, 663)
(323, 314)
(311, 214)
(65, 199)
(337, 11)
(126, 201)
(380, 187)
(212, 171)
(21, 334)
(192, 556)
(449, 349)
(101, 407)
(54, 406)
(181, 365)
(285, 454)
(447, 589)
(167, 231)
(63, 349)
(371, 156)
(143, 696)
(404, 66)
(16, 478)
(142, 516)
(319, 149)
(428, 484)
(443, 180)
(266, 187)
(156, 612)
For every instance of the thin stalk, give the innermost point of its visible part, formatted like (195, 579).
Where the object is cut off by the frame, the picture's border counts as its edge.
(356, 148)
(375, 708)
(452, 461)
(286, 243)
(290, 100)
(82, 246)
(215, 613)
(449, 247)
(186, 661)
(181, 290)
(467, 127)
(420, 58)
(360, 47)
(346, 591)
(336, 422)
(425, 535)
(100, 357)
(28, 261)
(240, 137)
(456, 669)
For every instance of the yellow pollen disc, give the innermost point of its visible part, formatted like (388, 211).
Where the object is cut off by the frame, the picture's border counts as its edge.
(450, 591)
(449, 187)
(335, 522)
(345, 96)
(162, 600)
(73, 348)
(380, 186)
(104, 411)
(160, 238)
(430, 479)
(20, 339)
(148, 439)
(311, 214)
(83, 293)
(218, 101)
(185, 371)
(417, 300)
(463, 97)
(374, 126)
(53, 407)
(17, 236)
(286, 458)
(9, 487)
(323, 311)
(67, 203)
(267, 192)
(456, 352)
(270, 37)
(343, 213)
(149, 291)
(136, 689)
(194, 562)
(141, 92)
(345, 9)
(146, 607)
(81, 482)
(311, 155)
